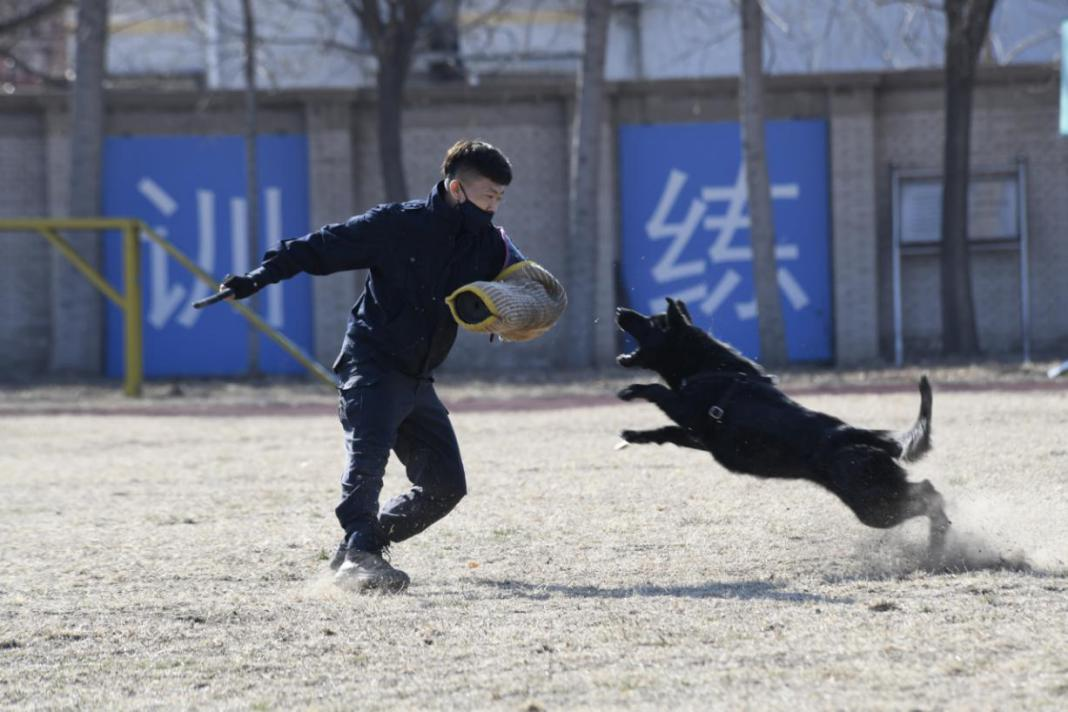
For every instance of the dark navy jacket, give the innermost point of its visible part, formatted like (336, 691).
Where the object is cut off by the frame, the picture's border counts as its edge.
(417, 253)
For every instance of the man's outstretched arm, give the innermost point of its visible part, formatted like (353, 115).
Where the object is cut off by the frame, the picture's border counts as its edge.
(355, 244)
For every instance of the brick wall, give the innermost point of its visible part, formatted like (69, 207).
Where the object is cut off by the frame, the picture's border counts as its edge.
(25, 268)
(875, 121)
(853, 221)
(1013, 120)
(332, 188)
(532, 133)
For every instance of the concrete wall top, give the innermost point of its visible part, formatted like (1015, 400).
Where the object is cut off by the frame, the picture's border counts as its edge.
(533, 88)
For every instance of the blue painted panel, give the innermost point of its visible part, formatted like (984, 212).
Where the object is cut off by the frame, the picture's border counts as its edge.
(1064, 79)
(685, 229)
(192, 191)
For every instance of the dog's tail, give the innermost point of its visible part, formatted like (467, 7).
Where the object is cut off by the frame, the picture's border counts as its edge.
(916, 441)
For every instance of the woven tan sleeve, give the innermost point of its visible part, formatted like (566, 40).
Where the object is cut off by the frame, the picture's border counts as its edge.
(524, 302)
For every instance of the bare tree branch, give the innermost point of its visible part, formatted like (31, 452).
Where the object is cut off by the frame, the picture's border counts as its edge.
(47, 79)
(775, 18)
(20, 25)
(872, 30)
(1028, 42)
(282, 41)
(370, 19)
(484, 17)
(825, 40)
(929, 4)
(35, 14)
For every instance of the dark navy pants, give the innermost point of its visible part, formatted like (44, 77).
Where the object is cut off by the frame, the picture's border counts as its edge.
(381, 410)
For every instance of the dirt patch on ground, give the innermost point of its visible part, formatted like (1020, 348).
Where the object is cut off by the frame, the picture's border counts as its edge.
(180, 562)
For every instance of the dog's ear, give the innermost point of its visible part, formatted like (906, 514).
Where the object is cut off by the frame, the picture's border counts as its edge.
(685, 310)
(675, 315)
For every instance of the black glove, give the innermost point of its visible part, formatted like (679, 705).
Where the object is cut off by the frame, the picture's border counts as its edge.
(242, 285)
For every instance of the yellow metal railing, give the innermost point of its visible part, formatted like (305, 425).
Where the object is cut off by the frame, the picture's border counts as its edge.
(129, 301)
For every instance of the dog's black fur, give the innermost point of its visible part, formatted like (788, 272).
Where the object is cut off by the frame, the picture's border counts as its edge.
(725, 404)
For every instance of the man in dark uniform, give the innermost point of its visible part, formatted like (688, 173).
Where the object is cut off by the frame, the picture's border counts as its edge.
(400, 330)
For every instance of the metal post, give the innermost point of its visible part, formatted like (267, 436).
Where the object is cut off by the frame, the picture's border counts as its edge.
(131, 253)
(1025, 263)
(895, 262)
(276, 336)
(68, 251)
(130, 300)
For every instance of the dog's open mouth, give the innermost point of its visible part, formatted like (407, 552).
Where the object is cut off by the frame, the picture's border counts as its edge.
(630, 322)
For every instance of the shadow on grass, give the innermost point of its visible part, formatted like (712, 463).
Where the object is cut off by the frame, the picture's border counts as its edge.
(741, 590)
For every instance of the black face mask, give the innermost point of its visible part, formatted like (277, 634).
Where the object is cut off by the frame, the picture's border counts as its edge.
(475, 218)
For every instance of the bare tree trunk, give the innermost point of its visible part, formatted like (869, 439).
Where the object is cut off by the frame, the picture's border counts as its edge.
(761, 222)
(252, 183)
(390, 83)
(77, 307)
(444, 41)
(392, 26)
(967, 22)
(585, 164)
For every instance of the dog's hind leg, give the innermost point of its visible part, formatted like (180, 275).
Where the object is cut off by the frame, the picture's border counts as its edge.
(934, 508)
(874, 486)
(923, 500)
(668, 434)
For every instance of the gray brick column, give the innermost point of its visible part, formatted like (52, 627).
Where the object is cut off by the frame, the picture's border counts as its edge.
(603, 323)
(77, 307)
(332, 189)
(854, 221)
(24, 271)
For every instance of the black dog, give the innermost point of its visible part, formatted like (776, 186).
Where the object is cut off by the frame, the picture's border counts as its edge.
(725, 404)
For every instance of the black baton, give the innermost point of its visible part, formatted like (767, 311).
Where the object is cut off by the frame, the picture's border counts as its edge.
(217, 297)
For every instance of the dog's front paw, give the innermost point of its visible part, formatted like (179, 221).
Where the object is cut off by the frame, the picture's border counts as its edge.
(631, 436)
(631, 392)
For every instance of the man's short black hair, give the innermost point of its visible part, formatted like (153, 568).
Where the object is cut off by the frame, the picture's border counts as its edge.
(477, 157)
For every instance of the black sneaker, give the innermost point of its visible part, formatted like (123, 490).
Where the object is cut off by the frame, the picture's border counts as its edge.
(339, 555)
(367, 571)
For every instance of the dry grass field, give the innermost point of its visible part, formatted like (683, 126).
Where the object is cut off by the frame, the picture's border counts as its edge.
(176, 561)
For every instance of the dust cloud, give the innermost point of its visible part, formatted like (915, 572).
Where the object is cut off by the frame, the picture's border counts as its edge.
(988, 534)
